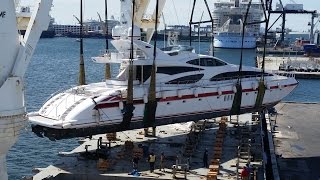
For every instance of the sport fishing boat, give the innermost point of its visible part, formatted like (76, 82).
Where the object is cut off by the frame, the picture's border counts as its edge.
(189, 87)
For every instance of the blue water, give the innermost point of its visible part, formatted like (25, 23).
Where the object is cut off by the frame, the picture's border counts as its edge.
(55, 66)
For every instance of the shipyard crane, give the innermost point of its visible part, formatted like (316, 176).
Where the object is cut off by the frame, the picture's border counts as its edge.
(16, 52)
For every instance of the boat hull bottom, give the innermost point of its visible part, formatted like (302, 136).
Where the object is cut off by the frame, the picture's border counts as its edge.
(57, 134)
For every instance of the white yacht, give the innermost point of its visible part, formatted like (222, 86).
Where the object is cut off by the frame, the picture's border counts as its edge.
(228, 18)
(189, 87)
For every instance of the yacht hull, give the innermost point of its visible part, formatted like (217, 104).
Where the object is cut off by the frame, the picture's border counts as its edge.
(57, 134)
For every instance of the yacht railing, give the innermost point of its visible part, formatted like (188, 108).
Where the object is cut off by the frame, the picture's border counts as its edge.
(61, 90)
(114, 54)
(74, 90)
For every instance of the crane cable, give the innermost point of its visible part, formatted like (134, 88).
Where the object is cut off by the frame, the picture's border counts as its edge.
(149, 115)
(128, 104)
(107, 66)
(175, 11)
(261, 84)
(236, 104)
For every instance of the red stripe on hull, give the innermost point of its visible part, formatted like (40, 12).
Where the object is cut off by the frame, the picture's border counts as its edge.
(183, 97)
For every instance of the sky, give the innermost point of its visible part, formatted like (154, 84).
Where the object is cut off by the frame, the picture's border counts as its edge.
(175, 11)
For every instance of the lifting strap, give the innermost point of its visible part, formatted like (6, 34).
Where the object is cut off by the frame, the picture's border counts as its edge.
(150, 108)
(128, 105)
(236, 105)
(260, 95)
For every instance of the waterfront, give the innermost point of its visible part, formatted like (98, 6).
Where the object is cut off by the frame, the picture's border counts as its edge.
(55, 66)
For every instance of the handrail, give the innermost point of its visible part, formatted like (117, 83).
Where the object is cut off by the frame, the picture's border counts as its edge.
(137, 54)
(62, 90)
(57, 92)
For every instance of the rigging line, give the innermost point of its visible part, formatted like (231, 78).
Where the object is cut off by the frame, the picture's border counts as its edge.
(189, 8)
(132, 27)
(150, 108)
(106, 24)
(199, 38)
(153, 73)
(165, 30)
(175, 10)
(82, 79)
(275, 22)
(190, 22)
(156, 32)
(263, 8)
(131, 48)
(265, 38)
(243, 32)
(106, 32)
(128, 107)
(211, 18)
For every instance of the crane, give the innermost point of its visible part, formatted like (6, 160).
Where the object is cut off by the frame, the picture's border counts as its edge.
(141, 19)
(16, 53)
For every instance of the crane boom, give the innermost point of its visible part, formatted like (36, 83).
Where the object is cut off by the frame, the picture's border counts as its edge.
(141, 20)
(16, 53)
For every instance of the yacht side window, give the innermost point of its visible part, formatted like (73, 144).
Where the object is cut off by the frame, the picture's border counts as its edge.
(171, 70)
(207, 62)
(187, 79)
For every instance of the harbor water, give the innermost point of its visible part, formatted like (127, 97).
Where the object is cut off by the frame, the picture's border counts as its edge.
(55, 66)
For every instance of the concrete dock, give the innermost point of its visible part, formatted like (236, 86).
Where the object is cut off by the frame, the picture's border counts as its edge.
(279, 51)
(239, 139)
(296, 138)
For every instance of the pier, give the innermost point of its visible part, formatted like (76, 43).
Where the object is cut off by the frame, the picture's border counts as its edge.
(295, 129)
(291, 149)
(280, 51)
(231, 144)
(299, 66)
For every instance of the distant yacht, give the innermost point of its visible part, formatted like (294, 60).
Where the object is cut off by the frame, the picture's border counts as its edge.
(228, 17)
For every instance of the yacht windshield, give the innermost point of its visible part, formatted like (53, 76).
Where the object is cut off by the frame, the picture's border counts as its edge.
(178, 48)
